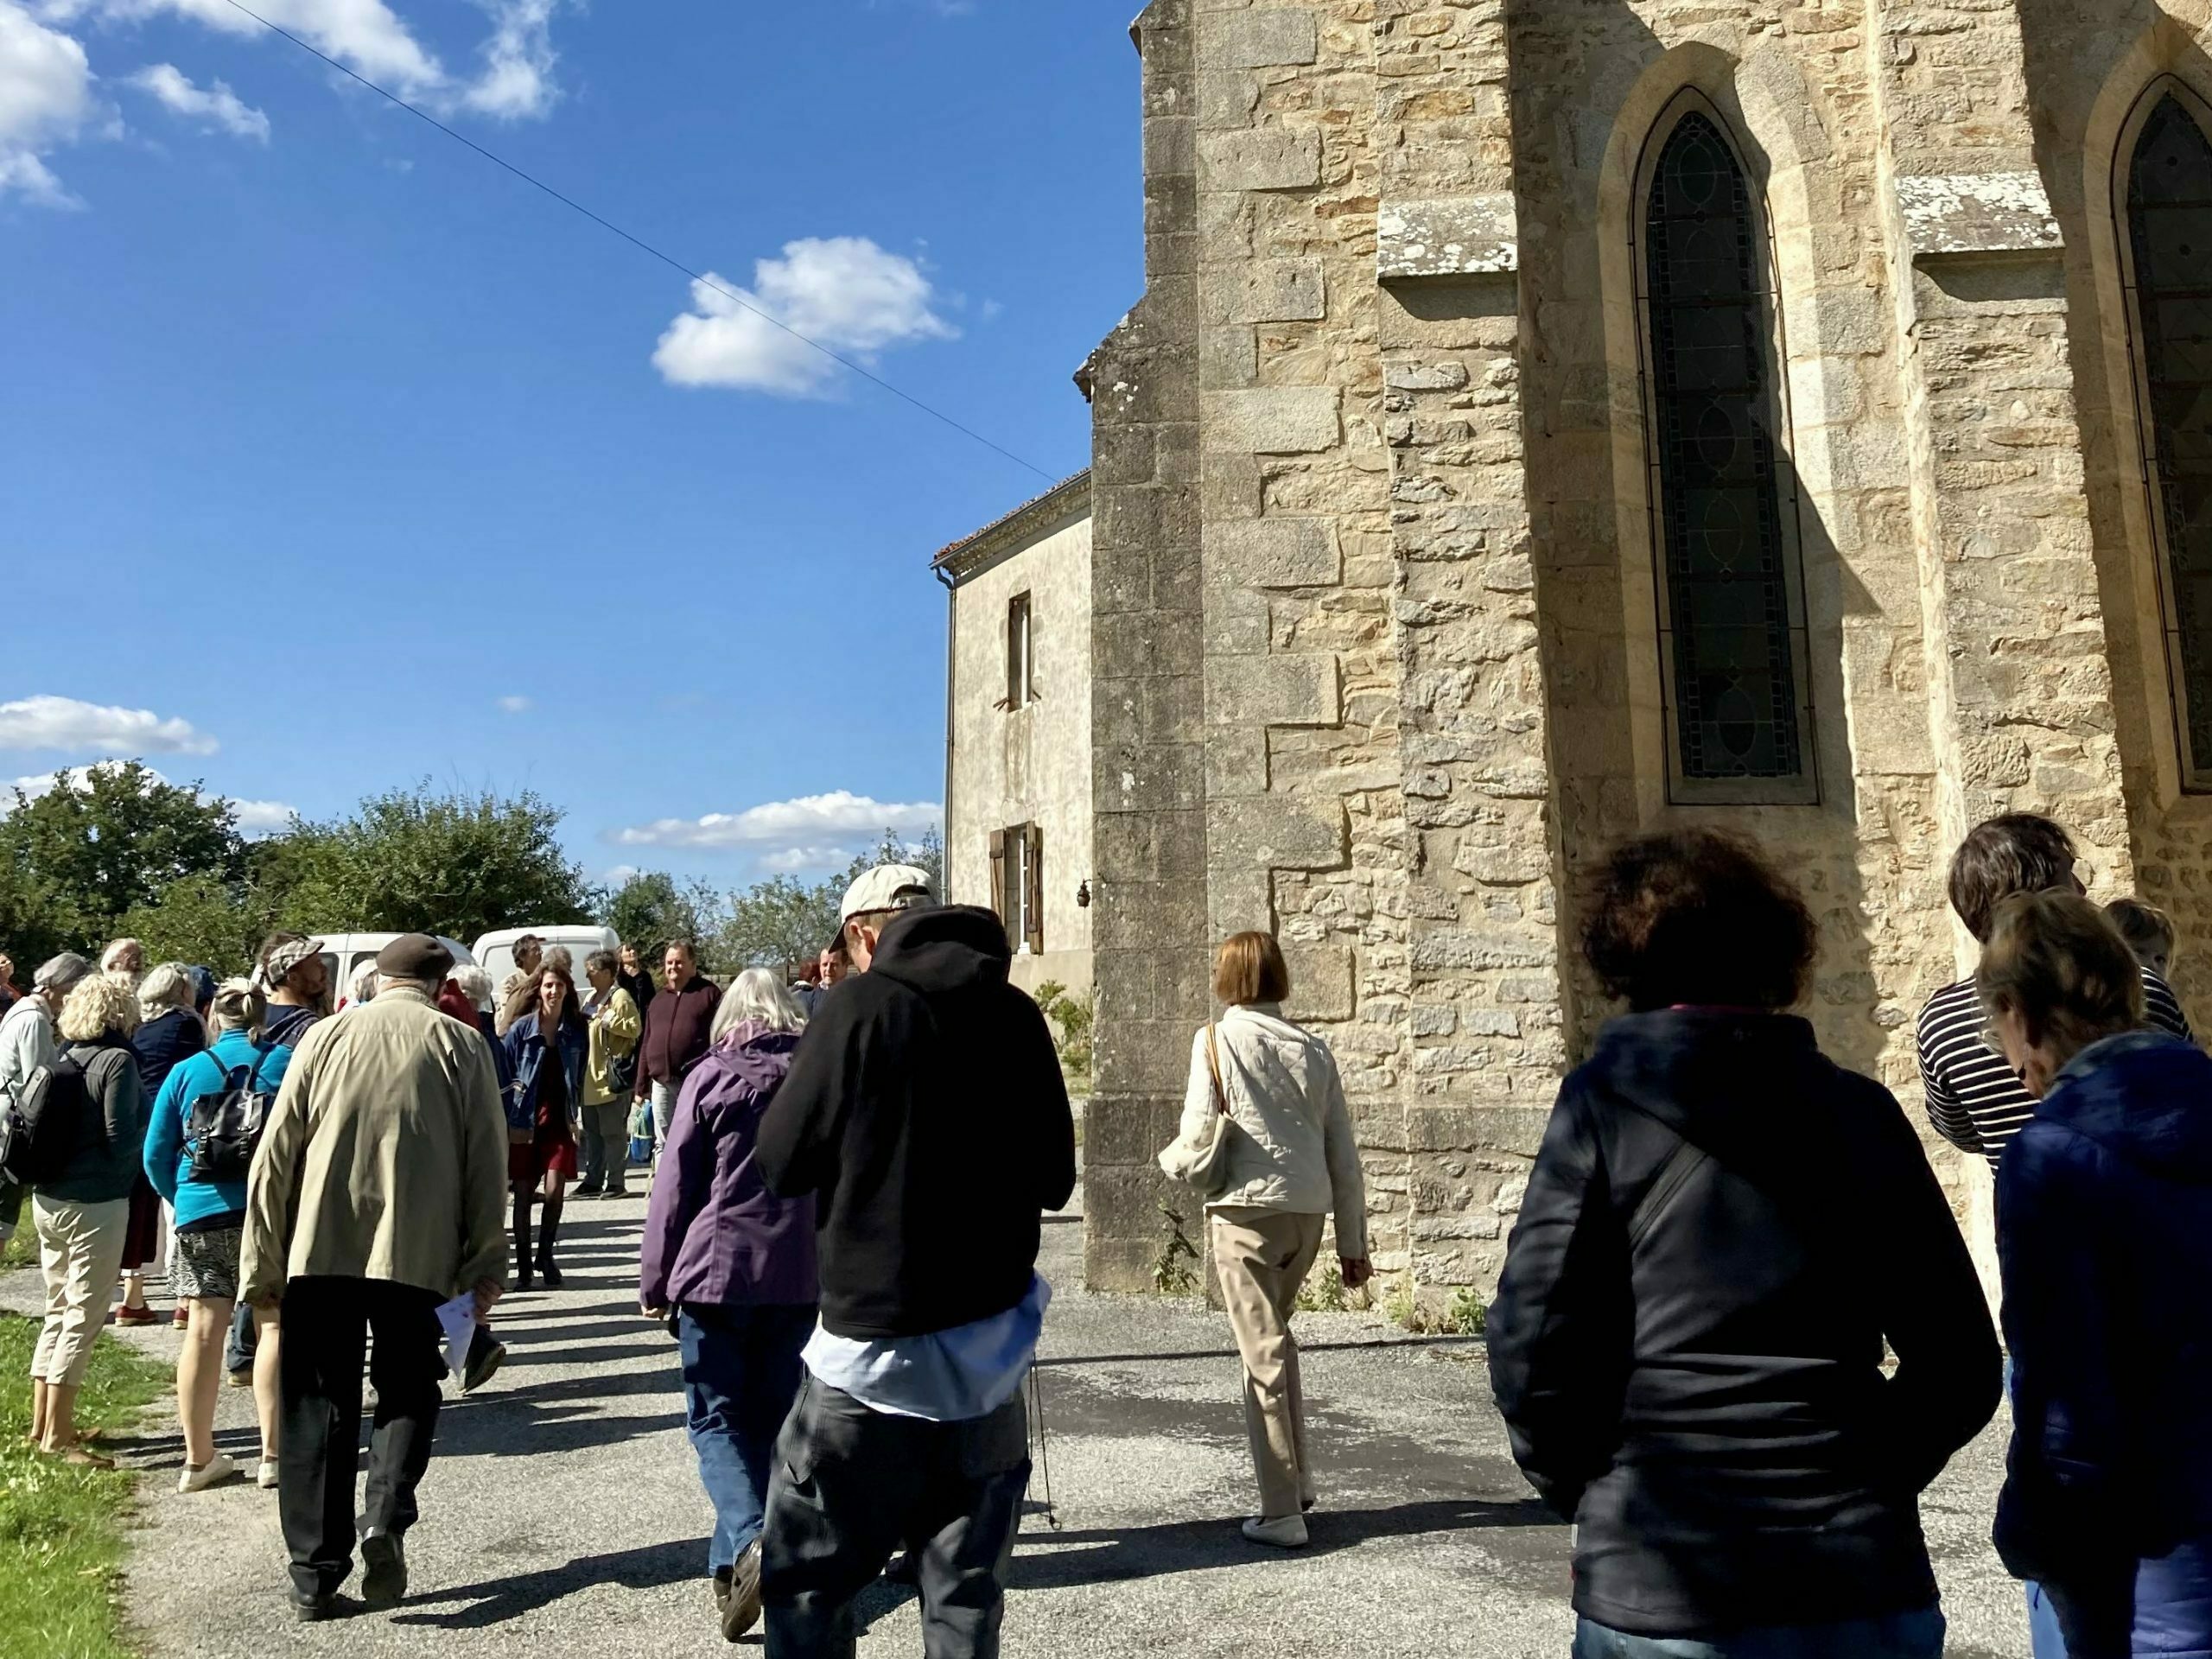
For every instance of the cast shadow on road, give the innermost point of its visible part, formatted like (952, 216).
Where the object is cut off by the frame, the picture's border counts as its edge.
(652, 1567)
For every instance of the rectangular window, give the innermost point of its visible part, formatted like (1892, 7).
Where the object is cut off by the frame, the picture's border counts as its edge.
(1018, 884)
(1020, 694)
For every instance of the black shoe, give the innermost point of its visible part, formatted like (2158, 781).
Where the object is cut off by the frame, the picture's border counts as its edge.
(522, 1277)
(742, 1611)
(721, 1592)
(585, 1192)
(548, 1272)
(313, 1610)
(383, 1571)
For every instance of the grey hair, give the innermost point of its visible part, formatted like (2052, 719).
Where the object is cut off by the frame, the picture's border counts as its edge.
(363, 986)
(115, 948)
(761, 996)
(61, 973)
(558, 956)
(238, 1006)
(167, 987)
(475, 983)
(602, 961)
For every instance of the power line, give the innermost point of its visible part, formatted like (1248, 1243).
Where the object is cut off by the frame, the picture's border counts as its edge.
(640, 243)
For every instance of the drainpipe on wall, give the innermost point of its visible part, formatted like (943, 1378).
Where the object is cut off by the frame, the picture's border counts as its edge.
(952, 657)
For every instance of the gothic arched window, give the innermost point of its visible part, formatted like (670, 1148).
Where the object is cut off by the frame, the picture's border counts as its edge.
(2169, 269)
(1731, 612)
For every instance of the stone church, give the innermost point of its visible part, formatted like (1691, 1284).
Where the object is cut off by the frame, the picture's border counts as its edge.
(1550, 420)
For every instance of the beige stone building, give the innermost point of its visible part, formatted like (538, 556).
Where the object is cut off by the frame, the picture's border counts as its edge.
(1018, 719)
(1550, 420)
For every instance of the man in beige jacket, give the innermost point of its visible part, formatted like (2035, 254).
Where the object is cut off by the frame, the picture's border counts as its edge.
(378, 1192)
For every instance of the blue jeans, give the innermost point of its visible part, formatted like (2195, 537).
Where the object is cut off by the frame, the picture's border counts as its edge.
(740, 1374)
(2045, 1639)
(1900, 1635)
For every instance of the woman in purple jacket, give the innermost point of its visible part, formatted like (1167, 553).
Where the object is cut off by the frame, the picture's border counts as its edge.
(736, 1264)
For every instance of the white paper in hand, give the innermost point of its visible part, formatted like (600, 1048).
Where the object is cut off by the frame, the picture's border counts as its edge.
(457, 1318)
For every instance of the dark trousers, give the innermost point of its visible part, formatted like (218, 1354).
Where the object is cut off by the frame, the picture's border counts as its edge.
(851, 1485)
(740, 1374)
(606, 1147)
(244, 1341)
(328, 1326)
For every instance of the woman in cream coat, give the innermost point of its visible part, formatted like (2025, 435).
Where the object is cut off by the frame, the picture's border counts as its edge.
(1292, 1160)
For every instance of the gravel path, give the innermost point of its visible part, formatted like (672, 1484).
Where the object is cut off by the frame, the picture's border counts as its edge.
(562, 1514)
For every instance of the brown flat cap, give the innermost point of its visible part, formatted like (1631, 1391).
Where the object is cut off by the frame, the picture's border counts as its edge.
(415, 956)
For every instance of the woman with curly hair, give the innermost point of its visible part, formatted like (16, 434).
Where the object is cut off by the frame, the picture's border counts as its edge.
(81, 1209)
(1689, 1340)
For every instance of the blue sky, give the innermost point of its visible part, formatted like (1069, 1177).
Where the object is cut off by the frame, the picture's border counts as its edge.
(337, 457)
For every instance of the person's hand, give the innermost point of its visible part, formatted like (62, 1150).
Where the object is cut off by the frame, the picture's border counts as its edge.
(646, 1310)
(268, 1301)
(487, 1294)
(1357, 1270)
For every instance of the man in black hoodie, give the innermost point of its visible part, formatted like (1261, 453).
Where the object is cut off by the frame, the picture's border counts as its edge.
(926, 1113)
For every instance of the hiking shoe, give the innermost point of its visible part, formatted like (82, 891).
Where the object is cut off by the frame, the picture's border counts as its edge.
(483, 1365)
(242, 1377)
(214, 1472)
(1284, 1532)
(183, 1319)
(585, 1192)
(742, 1611)
(721, 1592)
(383, 1570)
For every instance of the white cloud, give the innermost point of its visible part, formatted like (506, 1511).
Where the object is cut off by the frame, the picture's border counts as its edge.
(255, 818)
(46, 100)
(842, 291)
(514, 705)
(45, 722)
(618, 875)
(518, 78)
(814, 832)
(215, 103)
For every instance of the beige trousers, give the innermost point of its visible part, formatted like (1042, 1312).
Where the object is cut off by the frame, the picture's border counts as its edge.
(81, 1252)
(1262, 1257)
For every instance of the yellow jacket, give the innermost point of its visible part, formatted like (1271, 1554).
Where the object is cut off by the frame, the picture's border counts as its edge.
(385, 1156)
(615, 1028)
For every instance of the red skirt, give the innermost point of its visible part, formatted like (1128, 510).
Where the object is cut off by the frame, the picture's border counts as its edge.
(141, 1234)
(552, 1149)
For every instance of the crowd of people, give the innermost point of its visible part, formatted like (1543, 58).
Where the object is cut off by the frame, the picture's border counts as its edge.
(1738, 1333)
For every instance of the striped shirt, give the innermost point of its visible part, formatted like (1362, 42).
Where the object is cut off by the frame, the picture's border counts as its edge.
(1974, 1099)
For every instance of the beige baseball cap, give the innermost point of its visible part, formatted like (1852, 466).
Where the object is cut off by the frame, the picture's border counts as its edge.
(887, 887)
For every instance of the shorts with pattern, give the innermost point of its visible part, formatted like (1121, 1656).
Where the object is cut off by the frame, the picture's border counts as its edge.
(208, 1264)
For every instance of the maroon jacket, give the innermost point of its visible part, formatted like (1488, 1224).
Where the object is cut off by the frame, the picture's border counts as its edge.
(677, 1027)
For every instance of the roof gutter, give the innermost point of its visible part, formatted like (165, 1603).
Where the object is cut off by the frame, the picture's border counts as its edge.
(951, 657)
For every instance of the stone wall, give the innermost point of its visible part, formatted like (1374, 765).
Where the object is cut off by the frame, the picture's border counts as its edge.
(1428, 694)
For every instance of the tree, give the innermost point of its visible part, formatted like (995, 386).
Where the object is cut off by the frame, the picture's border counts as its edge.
(779, 923)
(651, 910)
(411, 860)
(204, 919)
(111, 838)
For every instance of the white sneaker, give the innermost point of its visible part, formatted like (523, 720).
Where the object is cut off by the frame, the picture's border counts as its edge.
(265, 1476)
(1285, 1532)
(214, 1472)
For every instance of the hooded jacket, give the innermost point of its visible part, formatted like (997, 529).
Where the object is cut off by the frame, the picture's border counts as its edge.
(714, 1232)
(2104, 1237)
(1687, 1339)
(926, 1113)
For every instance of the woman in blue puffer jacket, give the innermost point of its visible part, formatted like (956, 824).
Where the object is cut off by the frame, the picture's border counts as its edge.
(210, 1217)
(2104, 1235)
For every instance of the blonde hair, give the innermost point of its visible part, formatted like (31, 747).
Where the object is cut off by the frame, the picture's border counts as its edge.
(238, 1006)
(1249, 968)
(2057, 960)
(101, 1005)
(761, 996)
(167, 987)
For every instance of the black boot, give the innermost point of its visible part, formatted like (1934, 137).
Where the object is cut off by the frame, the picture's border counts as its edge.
(548, 1235)
(521, 1245)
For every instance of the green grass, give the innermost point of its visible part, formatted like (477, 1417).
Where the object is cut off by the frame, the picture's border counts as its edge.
(22, 1247)
(61, 1527)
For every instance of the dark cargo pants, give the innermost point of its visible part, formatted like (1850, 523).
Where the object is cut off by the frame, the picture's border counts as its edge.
(849, 1486)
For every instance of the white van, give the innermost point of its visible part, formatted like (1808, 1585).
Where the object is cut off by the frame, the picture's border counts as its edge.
(344, 954)
(495, 953)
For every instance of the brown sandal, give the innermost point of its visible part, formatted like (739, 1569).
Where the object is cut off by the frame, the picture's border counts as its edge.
(83, 1459)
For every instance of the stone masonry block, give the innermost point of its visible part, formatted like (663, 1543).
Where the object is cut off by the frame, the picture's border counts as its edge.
(1259, 40)
(1449, 237)
(1261, 158)
(1284, 291)
(1979, 212)
(1273, 553)
(1289, 688)
(1271, 420)
(1320, 980)
(1273, 832)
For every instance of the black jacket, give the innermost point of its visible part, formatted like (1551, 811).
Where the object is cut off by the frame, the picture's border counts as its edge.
(1721, 1230)
(925, 1109)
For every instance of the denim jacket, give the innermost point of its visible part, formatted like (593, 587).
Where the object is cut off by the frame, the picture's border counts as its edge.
(526, 1053)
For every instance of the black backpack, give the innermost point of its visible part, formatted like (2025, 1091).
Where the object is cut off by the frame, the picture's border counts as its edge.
(223, 1125)
(39, 1123)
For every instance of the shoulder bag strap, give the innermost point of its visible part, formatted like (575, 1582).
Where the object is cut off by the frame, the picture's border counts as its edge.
(1213, 1065)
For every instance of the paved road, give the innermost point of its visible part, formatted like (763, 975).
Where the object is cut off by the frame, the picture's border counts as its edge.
(562, 1514)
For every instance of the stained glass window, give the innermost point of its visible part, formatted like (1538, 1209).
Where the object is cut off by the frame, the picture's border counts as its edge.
(2170, 232)
(1731, 619)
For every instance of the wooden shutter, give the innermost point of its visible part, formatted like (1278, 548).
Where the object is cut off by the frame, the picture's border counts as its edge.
(1033, 905)
(999, 894)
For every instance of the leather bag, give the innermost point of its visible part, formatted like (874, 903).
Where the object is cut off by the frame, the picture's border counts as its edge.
(1203, 1161)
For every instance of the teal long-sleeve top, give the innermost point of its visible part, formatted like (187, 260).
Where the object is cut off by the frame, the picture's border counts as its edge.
(168, 1165)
